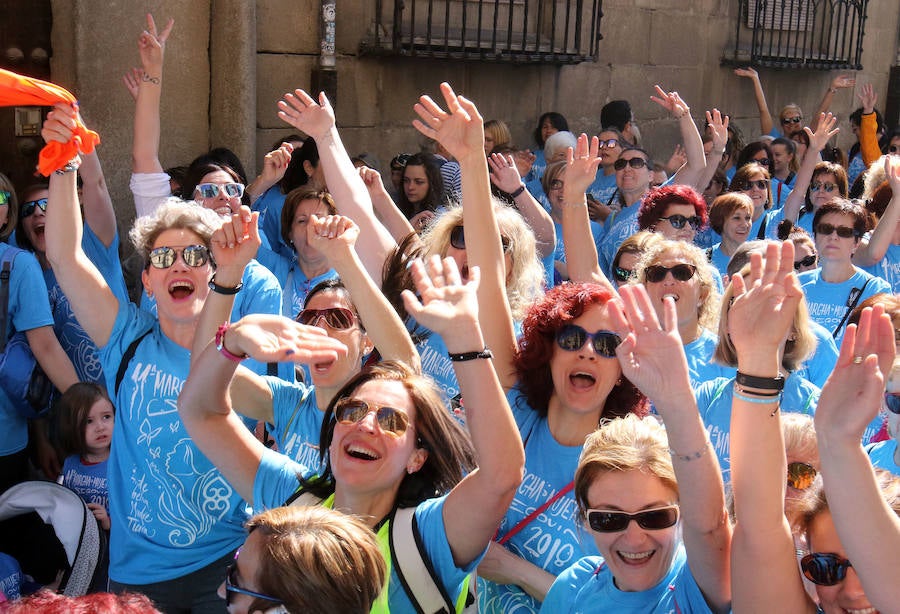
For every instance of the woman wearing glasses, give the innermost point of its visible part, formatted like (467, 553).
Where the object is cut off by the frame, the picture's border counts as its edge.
(651, 497)
(677, 212)
(753, 179)
(388, 441)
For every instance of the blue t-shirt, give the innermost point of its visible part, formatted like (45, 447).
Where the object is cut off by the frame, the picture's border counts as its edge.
(827, 302)
(719, 260)
(298, 422)
(294, 282)
(539, 165)
(559, 254)
(88, 480)
(269, 206)
(855, 167)
(882, 455)
(781, 190)
(819, 366)
(11, 578)
(78, 345)
(603, 187)
(714, 400)
(28, 308)
(622, 225)
(556, 538)
(435, 362)
(699, 353)
(171, 510)
(276, 480)
(888, 268)
(588, 587)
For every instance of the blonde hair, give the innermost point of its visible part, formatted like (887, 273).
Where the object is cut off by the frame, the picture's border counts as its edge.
(173, 213)
(708, 309)
(317, 560)
(874, 177)
(12, 208)
(524, 283)
(499, 132)
(799, 436)
(624, 444)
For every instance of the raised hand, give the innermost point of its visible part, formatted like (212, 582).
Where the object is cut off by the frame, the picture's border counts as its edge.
(372, 179)
(302, 112)
(132, 79)
(892, 173)
(460, 129)
(867, 98)
(504, 173)
(333, 235)
(581, 168)
(447, 306)
(852, 395)
(270, 338)
(718, 124)
(152, 48)
(677, 159)
(825, 129)
(275, 164)
(60, 123)
(747, 72)
(236, 242)
(842, 82)
(671, 102)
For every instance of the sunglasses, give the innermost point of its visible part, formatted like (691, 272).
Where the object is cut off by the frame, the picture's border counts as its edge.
(844, 232)
(192, 255)
(232, 587)
(894, 149)
(759, 184)
(28, 207)
(609, 143)
(622, 275)
(621, 163)
(399, 162)
(819, 185)
(336, 318)
(678, 221)
(5, 197)
(352, 411)
(609, 521)
(892, 402)
(680, 272)
(212, 190)
(763, 162)
(572, 338)
(824, 568)
(458, 238)
(791, 120)
(556, 184)
(800, 475)
(805, 262)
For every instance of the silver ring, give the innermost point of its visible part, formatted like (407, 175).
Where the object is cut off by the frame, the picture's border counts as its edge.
(857, 360)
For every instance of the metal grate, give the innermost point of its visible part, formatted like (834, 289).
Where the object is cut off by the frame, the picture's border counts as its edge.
(524, 31)
(815, 34)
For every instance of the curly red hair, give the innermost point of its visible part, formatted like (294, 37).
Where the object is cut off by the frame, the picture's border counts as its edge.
(658, 200)
(557, 307)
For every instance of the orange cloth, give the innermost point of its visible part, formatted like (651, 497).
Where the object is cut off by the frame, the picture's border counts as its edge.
(17, 90)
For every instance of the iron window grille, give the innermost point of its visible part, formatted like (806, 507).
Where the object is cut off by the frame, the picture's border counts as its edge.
(814, 34)
(522, 31)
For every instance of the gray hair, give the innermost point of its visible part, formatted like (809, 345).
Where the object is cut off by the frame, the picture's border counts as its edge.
(173, 213)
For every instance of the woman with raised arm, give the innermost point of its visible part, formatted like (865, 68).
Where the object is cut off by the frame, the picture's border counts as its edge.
(559, 384)
(676, 553)
(879, 253)
(690, 136)
(390, 443)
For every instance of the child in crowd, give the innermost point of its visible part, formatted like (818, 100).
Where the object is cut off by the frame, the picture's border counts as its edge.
(87, 417)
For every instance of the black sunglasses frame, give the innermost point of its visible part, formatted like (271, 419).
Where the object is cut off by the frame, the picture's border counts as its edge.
(571, 338)
(678, 221)
(825, 568)
(844, 232)
(807, 261)
(635, 163)
(682, 271)
(599, 520)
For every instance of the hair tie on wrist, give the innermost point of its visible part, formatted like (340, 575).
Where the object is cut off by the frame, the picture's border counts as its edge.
(518, 191)
(220, 344)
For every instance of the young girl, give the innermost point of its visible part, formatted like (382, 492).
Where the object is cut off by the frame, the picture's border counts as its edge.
(86, 423)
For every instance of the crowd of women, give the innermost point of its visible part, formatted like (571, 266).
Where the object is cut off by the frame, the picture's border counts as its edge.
(573, 386)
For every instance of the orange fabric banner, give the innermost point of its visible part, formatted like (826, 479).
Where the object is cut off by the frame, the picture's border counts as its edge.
(17, 90)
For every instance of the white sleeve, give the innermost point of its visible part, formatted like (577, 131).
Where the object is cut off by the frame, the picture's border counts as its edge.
(149, 190)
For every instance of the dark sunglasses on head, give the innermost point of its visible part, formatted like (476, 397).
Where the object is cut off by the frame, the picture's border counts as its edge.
(681, 272)
(212, 190)
(759, 184)
(232, 587)
(458, 239)
(622, 275)
(824, 568)
(800, 475)
(678, 221)
(610, 521)
(805, 262)
(892, 402)
(5, 197)
(609, 143)
(572, 338)
(791, 120)
(29, 206)
(192, 255)
(351, 411)
(815, 186)
(399, 162)
(336, 318)
(844, 232)
(621, 163)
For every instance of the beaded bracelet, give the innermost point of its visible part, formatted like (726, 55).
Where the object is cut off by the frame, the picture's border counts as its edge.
(693, 455)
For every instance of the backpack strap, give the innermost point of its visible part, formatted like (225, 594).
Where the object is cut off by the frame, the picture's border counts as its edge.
(126, 360)
(9, 257)
(852, 300)
(414, 569)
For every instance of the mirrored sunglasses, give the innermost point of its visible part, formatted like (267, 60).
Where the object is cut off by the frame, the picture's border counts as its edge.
(892, 402)
(231, 585)
(815, 186)
(800, 475)
(611, 521)
(680, 272)
(844, 232)
(791, 120)
(192, 255)
(29, 207)
(824, 568)
(336, 318)
(805, 262)
(458, 239)
(759, 184)
(5, 197)
(621, 163)
(572, 338)
(678, 221)
(622, 275)
(212, 190)
(609, 143)
(351, 411)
